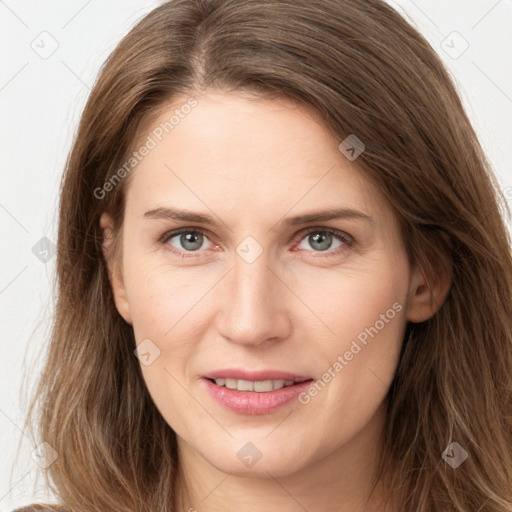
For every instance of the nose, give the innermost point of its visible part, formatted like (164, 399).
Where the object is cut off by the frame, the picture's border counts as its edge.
(252, 301)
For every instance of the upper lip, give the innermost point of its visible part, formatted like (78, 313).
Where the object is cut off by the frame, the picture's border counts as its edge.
(233, 373)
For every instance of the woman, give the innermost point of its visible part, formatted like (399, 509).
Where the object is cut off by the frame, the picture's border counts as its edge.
(207, 354)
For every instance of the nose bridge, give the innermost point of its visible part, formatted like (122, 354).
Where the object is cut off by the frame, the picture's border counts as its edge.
(252, 303)
(251, 281)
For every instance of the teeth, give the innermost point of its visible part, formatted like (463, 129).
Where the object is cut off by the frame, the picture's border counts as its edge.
(258, 386)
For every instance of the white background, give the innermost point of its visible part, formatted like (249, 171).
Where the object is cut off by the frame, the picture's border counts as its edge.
(41, 101)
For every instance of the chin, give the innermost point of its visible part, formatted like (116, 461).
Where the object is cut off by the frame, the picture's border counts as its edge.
(256, 459)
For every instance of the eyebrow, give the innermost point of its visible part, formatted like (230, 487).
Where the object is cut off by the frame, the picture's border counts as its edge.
(306, 218)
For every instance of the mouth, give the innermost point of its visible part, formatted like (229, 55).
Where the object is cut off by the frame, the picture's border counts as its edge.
(254, 397)
(258, 386)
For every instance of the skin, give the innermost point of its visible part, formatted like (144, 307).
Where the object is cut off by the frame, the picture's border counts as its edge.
(250, 163)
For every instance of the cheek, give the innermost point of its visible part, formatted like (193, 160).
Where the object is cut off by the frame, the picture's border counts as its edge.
(161, 298)
(162, 307)
(348, 300)
(363, 320)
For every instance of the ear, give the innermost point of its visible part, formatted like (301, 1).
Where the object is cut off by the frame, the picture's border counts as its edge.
(114, 272)
(428, 293)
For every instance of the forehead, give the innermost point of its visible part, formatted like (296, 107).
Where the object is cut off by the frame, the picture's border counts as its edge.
(240, 150)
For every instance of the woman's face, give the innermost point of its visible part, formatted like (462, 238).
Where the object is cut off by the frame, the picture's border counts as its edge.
(260, 288)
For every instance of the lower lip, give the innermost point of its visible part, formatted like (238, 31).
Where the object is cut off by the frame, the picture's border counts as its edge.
(253, 402)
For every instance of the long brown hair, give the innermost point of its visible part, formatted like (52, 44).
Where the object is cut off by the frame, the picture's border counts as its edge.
(367, 72)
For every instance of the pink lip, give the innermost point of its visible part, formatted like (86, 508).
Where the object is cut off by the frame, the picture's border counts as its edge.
(232, 373)
(252, 402)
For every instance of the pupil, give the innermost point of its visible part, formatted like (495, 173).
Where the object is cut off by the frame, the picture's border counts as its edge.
(187, 238)
(327, 241)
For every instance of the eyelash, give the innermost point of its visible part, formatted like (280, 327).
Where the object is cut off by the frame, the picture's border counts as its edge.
(347, 240)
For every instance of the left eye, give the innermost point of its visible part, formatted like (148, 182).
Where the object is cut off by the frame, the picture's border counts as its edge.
(323, 239)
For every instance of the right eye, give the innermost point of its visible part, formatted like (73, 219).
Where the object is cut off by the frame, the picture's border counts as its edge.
(188, 240)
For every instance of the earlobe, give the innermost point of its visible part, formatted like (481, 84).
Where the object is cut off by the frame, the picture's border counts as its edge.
(427, 294)
(114, 272)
